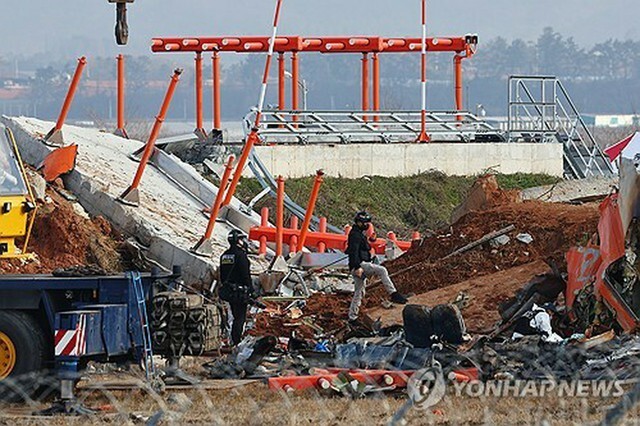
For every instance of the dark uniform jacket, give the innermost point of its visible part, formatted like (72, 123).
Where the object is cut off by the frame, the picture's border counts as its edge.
(358, 248)
(235, 274)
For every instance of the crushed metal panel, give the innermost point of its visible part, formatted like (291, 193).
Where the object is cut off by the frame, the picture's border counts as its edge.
(629, 196)
(582, 265)
(59, 162)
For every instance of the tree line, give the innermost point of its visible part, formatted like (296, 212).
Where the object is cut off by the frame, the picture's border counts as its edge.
(603, 78)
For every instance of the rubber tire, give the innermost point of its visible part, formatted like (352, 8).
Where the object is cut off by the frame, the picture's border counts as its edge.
(418, 327)
(30, 346)
(448, 324)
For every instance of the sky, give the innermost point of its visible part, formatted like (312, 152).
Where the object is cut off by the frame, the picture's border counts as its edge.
(85, 27)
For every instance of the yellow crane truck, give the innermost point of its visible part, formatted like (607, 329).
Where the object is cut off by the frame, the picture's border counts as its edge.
(17, 205)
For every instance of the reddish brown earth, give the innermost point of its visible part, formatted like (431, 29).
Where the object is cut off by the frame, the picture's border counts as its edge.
(484, 295)
(554, 227)
(489, 275)
(328, 311)
(62, 238)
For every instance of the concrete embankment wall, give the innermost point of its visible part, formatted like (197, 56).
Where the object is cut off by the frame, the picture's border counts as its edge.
(357, 160)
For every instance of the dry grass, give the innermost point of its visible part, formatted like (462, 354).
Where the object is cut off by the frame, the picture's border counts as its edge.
(255, 405)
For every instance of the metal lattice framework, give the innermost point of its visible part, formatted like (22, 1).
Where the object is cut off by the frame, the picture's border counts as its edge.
(315, 127)
(541, 110)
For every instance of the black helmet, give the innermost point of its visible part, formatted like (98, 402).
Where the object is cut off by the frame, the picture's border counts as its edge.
(550, 307)
(235, 236)
(362, 216)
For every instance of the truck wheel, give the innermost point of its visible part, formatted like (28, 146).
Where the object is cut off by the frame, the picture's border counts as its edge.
(22, 355)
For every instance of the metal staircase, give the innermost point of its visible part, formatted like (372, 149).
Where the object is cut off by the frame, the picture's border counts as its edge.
(541, 110)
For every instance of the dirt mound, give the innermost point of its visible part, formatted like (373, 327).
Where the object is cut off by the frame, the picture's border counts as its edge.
(485, 194)
(554, 228)
(62, 238)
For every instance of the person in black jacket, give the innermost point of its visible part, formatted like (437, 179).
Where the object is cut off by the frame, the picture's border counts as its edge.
(362, 267)
(236, 284)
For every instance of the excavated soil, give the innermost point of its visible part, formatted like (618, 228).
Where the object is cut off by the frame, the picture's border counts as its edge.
(62, 238)
(554, 228)
(482, 294)
(327, 311)
(488, 274)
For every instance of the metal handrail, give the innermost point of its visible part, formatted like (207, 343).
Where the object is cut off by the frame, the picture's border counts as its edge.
(557, 120)
(346, 126)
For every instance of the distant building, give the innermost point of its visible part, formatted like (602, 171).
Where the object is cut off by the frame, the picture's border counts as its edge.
(616, 120)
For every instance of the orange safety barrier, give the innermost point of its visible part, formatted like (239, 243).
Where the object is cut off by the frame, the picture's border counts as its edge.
(204, 246)
(55, 135)
(398, 379)
(120, 130)
(311, 207)
(314, 239)
(131, 196)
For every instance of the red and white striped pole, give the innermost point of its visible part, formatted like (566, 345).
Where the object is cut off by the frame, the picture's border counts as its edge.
(424, 137)
(252, 138)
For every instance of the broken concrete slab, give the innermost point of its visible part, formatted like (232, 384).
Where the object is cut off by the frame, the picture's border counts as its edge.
(568, 190)
(169, 221)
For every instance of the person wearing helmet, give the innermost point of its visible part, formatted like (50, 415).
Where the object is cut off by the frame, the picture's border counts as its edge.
(236, 285)
(362, 267)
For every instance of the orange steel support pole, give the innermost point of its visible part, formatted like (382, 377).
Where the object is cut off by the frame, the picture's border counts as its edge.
(365, 83)
(295, 75)
(322, 247)
(67, 103)
(457, 61)
(120, 131)
(253, 138)
(423, 137)
(200, 132)
(264, 222)
(310, 208)
(376, 84)
(202, 246)
(282, 103)
(279, 215)
(130, 196)
(293, 241)
(215, 59)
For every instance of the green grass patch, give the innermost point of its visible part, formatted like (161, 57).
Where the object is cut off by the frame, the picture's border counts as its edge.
(400, 204)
